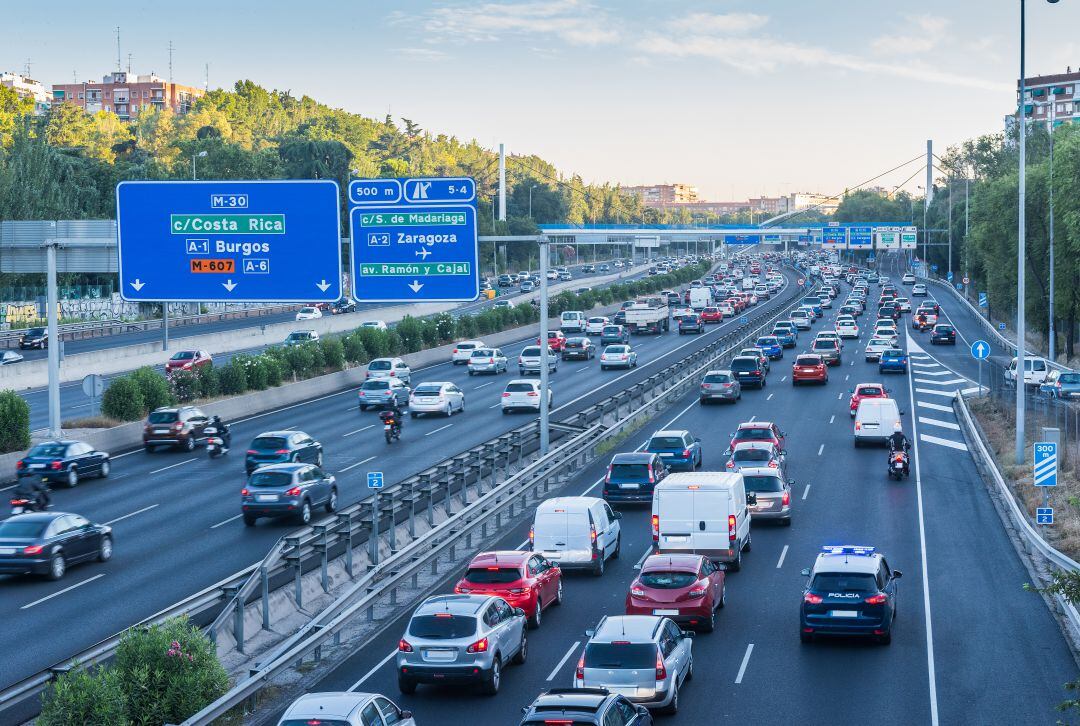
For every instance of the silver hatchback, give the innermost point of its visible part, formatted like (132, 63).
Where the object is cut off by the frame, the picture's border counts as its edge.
(773, 494)
(646, 658)
(461, 639)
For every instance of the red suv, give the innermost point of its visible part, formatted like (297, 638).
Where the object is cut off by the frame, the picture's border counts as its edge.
(188, 360)
(180, 426)
(686, 588)
(758, 431)
(809, 369)
(526, 580)
(556, 340)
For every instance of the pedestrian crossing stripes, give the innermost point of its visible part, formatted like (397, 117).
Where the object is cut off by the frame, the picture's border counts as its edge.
(943, 442)
(935, 382)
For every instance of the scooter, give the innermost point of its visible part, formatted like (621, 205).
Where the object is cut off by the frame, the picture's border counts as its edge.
(391, 426)
(898, 464)
(215, 445)
(21, 504)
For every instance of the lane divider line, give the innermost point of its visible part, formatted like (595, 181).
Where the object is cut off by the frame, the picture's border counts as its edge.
(131, 514)
(820, 449)
(353, 466)
(745, 661)
(370, 426)
(943, 442)
(934, 406)
(832, 418)
(562, 661)
(172, 466)
(371, 672)
(61, 592)
(441, 428)
(806, 491)
(939, 422)
(223, 523)
(783, 554)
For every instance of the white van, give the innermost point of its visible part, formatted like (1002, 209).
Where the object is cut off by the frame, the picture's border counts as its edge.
(1035, 371)
(576, 532)
(875, 420)
(702, 513)
(572, 321)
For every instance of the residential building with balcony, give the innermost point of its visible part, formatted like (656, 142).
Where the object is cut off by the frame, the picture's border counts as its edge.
(27, 88)
(126, 94)
(1049, 98)
(654, 195)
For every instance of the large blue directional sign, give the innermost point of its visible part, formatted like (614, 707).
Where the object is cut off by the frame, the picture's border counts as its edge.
(742, 239)
(834, 237)
(861, 238)
(414, 240)
(1046, 464)
(229, 241)
(980, 350)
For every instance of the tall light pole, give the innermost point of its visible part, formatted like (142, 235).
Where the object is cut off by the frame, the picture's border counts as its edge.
(1053, 338)
(199, 155)
(530, 199)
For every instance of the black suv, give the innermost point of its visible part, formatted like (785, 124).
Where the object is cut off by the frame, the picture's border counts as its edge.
(584, 706)
(632, 476)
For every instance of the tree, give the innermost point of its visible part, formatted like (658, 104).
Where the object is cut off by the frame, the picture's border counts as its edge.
(13, 108)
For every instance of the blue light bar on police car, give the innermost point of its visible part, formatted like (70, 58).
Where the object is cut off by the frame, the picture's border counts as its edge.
(848, 550)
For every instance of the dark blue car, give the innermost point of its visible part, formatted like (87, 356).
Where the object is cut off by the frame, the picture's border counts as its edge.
(281, 447)
(893, 361)
(770, 346)
(632, 476)
(65, 462)
(748, 370)
(677, 448)
(850, 591)
(787, 336)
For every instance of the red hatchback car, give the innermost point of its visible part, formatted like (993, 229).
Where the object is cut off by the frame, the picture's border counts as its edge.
(526, 580)
(712, 315)
(188, 360)
(866, 390)
(556, 340)
(758, 431)
(689, 589)
(809, 368)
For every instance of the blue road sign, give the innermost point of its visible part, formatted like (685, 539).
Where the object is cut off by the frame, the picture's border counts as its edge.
(1044, 515)
(860, 238)
(948, 275)
(980, 350)
(743, 320)
(834, 236)
(229, 241)
(871, 257)
(933, 268)
(1001, 326)
(983, 300)
(374, 480)
(959, 286)
(420, 247)
(1046, 464)
(742, 239)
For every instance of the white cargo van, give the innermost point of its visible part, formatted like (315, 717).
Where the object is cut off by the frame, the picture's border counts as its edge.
(700, 298)
(1035, 371)
(572, 321)
(703, 513)
(875, 420)
(576, 532)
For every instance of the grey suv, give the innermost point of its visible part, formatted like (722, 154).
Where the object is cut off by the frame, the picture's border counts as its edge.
(281, 490)
(647, 658)
(461, 639)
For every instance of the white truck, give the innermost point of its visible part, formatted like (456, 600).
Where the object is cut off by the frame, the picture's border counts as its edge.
(647, 318)
(700, 298)
(572, 321)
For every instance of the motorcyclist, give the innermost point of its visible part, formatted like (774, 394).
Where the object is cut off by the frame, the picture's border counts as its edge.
(223, 433)
(394, 414)
(36, 491)
(898, 442)
(921, 318)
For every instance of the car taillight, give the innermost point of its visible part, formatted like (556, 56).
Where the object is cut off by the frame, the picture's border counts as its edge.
(252, 451)
(772, 465)
(637, 592)
(282, 451)
(294, 492)
(858, 426)
(879, 599)
(362, 393)
(479, 646)
(607, 477)
(812, 599)
(55, 466)
(592, 533)
(731, 527)
(532, 535)
(661, 671)
(178, 425)
(579, 672)
(697, 592)
(455, 351)
(491, 360)
(786, 499)
(33, 549)
(20, 464)
(404, 646)
(655, 527)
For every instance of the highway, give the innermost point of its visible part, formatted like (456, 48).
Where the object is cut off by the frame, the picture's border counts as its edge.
(970, 645)
(176, 516)
(76, 404)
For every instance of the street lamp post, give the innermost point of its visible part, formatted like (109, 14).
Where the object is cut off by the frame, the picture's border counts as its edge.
(199, 155)
(1053, 338)
(530, 199)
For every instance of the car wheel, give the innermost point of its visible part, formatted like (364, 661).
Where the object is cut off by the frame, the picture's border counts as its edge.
(523, 652)
(618, 547)
(708, 626)
(189, 443)
(521, 371)
(558, 594)
(885, 639)
(472, 372)
(598, 568)
(250, 519)
(331, 503)
(673, 707)
(305, 512)
(412, 414)
(786, 522)
(57, 566)
(534, 621)
(736, 565)
(449, 410)
(407, 686)
(723, 596)
(748, 543)
(491, 685)
(105, 549)
(149, 449)
(72, 477)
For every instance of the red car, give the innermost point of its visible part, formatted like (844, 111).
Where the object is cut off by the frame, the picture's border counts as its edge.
(188, 360)
(526, 580)
(686, 588)
(556, 340)
(809, 368)
(738, 303)
(866, 390)
(712, 315)
(758, 431)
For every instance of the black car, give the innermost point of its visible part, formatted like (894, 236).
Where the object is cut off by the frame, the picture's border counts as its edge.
(748, 370)
(46, 543)
(942, 333)
(343, 306)
(632, 476)
(578, 348)
(691, 324)
(63, 461)
(279, 447)
(619, 318)
(34, 338)
(593, 706)
(506, 281)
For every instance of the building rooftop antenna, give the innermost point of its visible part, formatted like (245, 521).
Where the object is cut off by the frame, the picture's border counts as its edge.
(129, 64)
(118, 66)
(170, 61)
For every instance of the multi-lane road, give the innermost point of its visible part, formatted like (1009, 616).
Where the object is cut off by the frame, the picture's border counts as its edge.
(970, 645)
(176, 516)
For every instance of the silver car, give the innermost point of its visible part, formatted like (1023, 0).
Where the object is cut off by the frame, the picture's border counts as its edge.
(646, 658)
(389, 368)
(344, 708)
(529, 360)
(773, 494)
(722, 385)
(487, 360)
(287, 490)
(461, 639)
(377, 392)
(436, 397)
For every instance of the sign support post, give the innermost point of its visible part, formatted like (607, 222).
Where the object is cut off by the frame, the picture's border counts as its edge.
(544, 412)
(54, 343)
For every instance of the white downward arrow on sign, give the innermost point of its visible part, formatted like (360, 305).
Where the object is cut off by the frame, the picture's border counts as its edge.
(415, 286)
(322, 285)
(229, 285)
(138, 284)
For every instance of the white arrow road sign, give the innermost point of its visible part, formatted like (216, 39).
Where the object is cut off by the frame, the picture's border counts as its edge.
(229, 285)
(322, 285)
(138, 284)
(415, 286)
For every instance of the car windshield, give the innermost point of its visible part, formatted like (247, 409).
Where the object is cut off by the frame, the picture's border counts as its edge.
(666, 442)
(269, 442)
(844, 582)
(184, 355)
(53, 449)
(493, 575)
(160, 417)
(763, 484)
(752, 455)
(442, 626)
(16, 529)
(307, 310)
(661, 580)
(379, 365)
(519, 387)
(807, 361)
(620, 655)
(275, 479)
(375, 385)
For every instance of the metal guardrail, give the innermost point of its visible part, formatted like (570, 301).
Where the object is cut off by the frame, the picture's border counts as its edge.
(435, 484)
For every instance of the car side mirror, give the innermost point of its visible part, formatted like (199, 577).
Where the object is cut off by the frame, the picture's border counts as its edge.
(902, 413)
(688, 634)
(791, 482)
(805, 572)
(720, 566)
(590, 633)
(519, 612)
(406, 715)
(897, 574)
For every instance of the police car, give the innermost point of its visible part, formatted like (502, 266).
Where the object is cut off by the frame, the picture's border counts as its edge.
(851, 590)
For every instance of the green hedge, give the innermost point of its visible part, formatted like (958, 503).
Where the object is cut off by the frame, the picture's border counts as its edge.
(14, 422)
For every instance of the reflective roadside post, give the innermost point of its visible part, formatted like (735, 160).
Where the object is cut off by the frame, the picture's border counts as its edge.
(544, 412)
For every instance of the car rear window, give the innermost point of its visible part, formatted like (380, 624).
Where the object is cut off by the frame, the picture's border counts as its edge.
(1071, 378)
(620, 655)
(668, 580)
(466, 346)
(54, 449)
(270, 479)
(320, 721)
(519, 387)
(666, 442)
(442, 626)
(763, 484)
(532, 350)
(379, 365)
(493, 575)
(845, 582)
(824, 344)
(872, 391)
(375, 385)
(717, 378)
(751, 455)
(574, 343)
(744, 364)
(805, 360)
(269, 442)
(482, 353)
(17, 529)
(629, 472)
(754, 434)
(160, 417)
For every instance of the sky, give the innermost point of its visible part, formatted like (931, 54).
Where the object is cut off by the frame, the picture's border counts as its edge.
(736, 97)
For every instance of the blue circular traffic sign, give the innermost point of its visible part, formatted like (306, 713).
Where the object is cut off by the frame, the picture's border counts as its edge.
(980, 350)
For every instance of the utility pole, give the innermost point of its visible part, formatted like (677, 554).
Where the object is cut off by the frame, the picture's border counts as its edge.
(927, 198)
(1021, 252)
(502, 183)
(119, 67)
(1053, 337)
(54, 343)
(950, 224)
(544, 412)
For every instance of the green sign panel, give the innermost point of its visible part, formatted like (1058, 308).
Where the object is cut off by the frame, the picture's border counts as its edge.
(376, 269)
(227, 223)
(413, 219)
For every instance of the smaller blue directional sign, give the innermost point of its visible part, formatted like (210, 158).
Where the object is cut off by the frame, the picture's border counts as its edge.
(1001, 326)
(959, 286)
(743, 320)
(229, 241)
(374, 480)
(860, 238)
(933, 268)
(983, 300)
(1044, 515)
(1046, 466)
(980, 350)
(948, 275)
(742, 239)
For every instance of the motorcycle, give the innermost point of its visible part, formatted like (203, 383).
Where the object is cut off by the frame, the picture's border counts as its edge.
(898, 464)
(391, 426)
(215, 444)
(20, 504)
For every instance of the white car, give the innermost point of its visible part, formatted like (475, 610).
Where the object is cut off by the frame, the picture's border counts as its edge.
(346, 709)
(463, 351)
(908, 279)
(904, 303)
(8, 357)
(918, 290)
(595, 326)
(876, 347)
(847, 329)
(389, 368)
(504, 303)
(436, 397)
(376, 324)
(523, 393)
(553, 274)
(308, 312)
